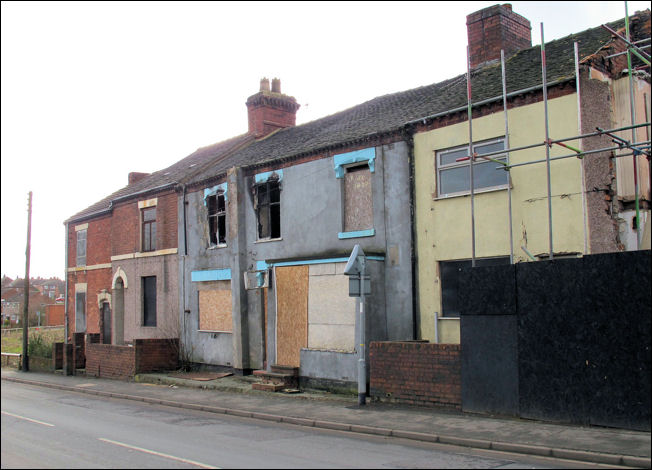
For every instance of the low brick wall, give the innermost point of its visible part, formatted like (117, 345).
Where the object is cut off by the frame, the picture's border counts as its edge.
(109, 360)
(416, 373)
(57, 356)
(123, 362)
(156, 354)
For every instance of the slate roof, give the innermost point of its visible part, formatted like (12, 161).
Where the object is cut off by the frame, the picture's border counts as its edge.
(381, 115)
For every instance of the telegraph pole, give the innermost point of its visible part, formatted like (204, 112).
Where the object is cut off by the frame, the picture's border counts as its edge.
(26, 302)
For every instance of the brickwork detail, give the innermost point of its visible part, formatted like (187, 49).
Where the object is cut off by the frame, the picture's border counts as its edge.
(495, 28)
(416, 373)
(123, 362)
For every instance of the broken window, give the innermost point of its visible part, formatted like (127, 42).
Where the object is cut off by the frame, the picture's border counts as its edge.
(217, 219)
(451, 284)
(149, 300)
(149, 229)
(454, 169)
(81, 247)
(268, 209)
(358, 204)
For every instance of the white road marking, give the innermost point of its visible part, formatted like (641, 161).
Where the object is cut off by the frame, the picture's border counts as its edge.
(167, 456)
(28, 419)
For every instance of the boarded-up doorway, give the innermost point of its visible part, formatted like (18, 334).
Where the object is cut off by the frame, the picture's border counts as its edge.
(291, 314)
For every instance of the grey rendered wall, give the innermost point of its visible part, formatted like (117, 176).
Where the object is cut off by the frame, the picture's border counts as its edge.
(311, 218)
(200, 347)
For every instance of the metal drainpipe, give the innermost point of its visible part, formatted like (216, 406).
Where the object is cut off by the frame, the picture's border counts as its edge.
(409, 139)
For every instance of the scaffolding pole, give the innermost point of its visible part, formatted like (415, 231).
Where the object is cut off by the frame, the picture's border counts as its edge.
(585, 213)
(545, 111)
(469, 106)
(632, 107)
(509, 177)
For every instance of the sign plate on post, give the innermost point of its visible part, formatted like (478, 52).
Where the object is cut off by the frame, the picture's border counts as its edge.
(354, 286)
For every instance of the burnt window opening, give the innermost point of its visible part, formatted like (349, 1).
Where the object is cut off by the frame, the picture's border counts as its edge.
(268, 210)
(149, 300)
(217, 219)
(149, 229)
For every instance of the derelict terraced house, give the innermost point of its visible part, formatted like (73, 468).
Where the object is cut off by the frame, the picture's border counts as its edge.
(264, 222)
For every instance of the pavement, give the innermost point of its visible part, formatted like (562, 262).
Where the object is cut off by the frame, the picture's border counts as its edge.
(233, 396)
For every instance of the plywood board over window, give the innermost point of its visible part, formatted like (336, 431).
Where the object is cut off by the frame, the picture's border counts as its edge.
(358, 206)
(292, 314)
(215, 310)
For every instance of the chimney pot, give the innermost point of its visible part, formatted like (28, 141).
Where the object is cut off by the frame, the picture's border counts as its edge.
(276, 85)
(269, 112)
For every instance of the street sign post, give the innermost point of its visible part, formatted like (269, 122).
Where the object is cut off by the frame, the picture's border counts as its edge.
(359, 286)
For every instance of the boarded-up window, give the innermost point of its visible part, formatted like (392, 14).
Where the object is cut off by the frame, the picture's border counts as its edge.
(215, 310)
(358, 207)
(292, 314)
(331, 312)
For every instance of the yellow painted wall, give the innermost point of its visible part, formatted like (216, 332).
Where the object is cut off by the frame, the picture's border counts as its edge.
(444, 225)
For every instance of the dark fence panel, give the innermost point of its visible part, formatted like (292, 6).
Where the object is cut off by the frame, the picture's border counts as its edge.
(580, 340)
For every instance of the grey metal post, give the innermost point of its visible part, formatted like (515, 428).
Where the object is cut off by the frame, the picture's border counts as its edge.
(545, 110)
(362, 366)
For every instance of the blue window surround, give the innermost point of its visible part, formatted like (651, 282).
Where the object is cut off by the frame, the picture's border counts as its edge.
(266, 176)
(357, 234)
(365, 155)
(261, 265)
(211, 275)
(214, 190)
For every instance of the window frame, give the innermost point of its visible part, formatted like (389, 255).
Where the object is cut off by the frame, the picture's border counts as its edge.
(267, 207)
(81, 260)
(215, 236)
(146, 230)
(148, 314)
(439, 167)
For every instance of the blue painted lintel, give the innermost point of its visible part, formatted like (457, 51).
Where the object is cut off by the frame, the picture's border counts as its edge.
(260, 265)
(365, 155)
(214, 190)
(360, 233)
(266, 176)
(211, 275)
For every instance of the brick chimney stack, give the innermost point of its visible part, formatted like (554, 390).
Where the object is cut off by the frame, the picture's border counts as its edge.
(494, 28)
(270, 110)
(135, 177)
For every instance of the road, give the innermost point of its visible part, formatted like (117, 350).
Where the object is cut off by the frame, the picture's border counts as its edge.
(49, 428)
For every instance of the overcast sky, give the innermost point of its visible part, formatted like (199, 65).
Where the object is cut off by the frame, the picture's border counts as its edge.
(93, 91)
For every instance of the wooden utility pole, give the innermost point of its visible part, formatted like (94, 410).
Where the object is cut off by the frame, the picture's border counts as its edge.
(25, 367)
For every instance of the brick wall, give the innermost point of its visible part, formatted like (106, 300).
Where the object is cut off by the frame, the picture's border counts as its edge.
(156, 354)
(125, 227)
(55, 314)
(109, 360)
(416, 373)
(123, 362)
(495, 28)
